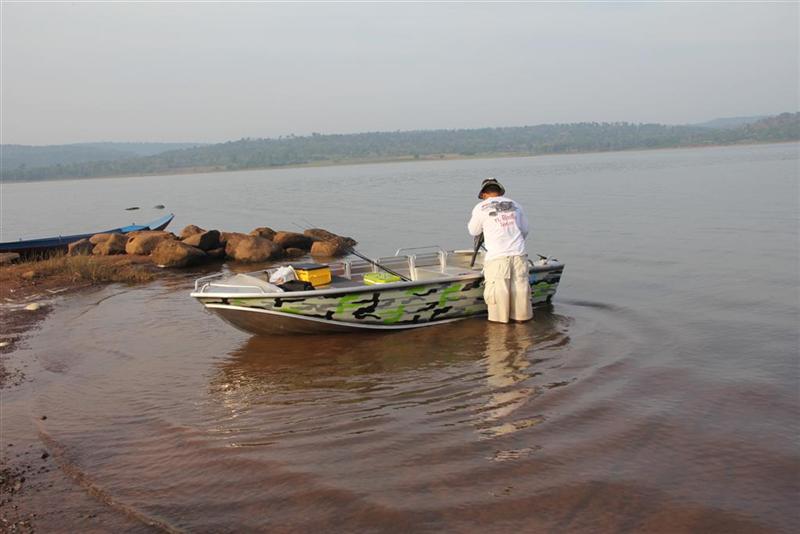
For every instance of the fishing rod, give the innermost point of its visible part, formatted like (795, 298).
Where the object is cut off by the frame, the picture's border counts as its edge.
(478, 244)
(354, 252)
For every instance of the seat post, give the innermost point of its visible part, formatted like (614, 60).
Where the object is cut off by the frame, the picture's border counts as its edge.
(412, 267)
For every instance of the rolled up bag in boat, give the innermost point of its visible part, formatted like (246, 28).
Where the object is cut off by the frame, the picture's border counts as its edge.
(281, 275)
(245, 280)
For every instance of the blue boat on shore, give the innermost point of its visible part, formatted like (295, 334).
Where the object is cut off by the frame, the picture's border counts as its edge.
(33, 247)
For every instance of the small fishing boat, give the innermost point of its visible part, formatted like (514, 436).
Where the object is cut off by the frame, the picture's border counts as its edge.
(33, 247)
(433, 286)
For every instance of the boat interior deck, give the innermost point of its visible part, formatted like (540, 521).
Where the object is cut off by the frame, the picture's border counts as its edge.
(424, 266)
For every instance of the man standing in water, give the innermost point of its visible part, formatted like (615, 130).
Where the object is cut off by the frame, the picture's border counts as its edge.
(507, 291)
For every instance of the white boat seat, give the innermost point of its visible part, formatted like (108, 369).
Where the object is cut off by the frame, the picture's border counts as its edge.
(246, 283)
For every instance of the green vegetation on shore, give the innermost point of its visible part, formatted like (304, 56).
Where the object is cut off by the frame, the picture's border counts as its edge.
(374, 146)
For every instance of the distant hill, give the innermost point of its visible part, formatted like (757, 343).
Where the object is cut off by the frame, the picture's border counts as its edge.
(15, 156)
(434, 144)
(730, 122)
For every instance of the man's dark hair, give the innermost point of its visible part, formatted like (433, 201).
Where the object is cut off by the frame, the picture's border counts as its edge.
(491, 188)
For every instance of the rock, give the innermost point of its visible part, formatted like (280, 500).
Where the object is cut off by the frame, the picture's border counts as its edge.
(173, 253)
(45, 455)
(252, 249)
(28, 275)
(265, 232)
(8, 258)
(151, 232)
(99, 238)
(83, 247)
(190, 230)
(294, 252)
(143, 243)
(333, 247)
(33, 306)
(205, 241)
(115, 244)
(318, 234)
(158, 207)
(230, 238)
(216, 253)
(5, 344)
(292, 240)
(132, 208)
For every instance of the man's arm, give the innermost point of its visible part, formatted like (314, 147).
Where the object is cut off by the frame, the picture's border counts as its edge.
(475, 224)
(523, 222)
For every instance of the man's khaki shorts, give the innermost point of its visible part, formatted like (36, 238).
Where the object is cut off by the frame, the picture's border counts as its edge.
(507, 290)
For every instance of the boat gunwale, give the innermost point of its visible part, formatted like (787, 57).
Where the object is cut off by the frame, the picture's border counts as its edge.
(200, 295)
(62, 241)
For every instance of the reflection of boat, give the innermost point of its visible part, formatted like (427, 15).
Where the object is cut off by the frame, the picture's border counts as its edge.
(441, 287)
(363, 362)
(48, 244)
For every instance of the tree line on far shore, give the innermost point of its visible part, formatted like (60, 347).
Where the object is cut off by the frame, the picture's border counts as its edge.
(320, 149)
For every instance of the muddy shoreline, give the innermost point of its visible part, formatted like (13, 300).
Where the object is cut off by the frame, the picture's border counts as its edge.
(27, 292)
(34, 488)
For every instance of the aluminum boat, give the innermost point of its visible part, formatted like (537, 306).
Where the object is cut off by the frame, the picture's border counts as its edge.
(441, 287)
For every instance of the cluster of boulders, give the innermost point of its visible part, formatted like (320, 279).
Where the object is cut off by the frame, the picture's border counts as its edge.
(195, 245)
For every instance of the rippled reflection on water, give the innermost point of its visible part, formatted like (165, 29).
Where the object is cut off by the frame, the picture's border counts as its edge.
(469, 374)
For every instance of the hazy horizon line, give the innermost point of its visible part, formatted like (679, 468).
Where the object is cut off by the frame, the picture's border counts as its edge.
(311, 134)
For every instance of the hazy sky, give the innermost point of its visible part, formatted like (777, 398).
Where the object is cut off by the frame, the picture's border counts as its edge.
(218, 71)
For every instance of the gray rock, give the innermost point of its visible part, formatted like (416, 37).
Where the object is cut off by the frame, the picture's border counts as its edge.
(293, 240)
(83, 247)
(115, 244)
(205, 241)
(230, 239)
(252, 249)
(265, 232)
(99, 238)
(319, 234)
(144, 243)
(330, 248)
(173, 253)
(191, 230)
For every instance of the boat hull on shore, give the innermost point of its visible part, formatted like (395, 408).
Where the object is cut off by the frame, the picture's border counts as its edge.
(45, 245)
(450, 292)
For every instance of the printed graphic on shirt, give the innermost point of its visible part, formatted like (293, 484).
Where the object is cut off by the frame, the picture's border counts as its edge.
(494, 207)
(504, 212)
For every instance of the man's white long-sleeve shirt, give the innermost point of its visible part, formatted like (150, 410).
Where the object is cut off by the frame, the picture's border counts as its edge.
(504, 226)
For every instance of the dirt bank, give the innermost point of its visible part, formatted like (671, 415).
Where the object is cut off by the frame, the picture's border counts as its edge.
(27, 290)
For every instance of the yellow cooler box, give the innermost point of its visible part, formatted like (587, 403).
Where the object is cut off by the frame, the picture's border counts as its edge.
(314, 273)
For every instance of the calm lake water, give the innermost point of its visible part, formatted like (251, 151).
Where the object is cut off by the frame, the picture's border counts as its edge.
(660, 393)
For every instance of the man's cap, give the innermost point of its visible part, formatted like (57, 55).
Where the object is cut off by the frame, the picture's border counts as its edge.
(491, 181)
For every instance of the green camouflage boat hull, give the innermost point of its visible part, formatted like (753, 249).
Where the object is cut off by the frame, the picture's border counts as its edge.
(381, 307)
